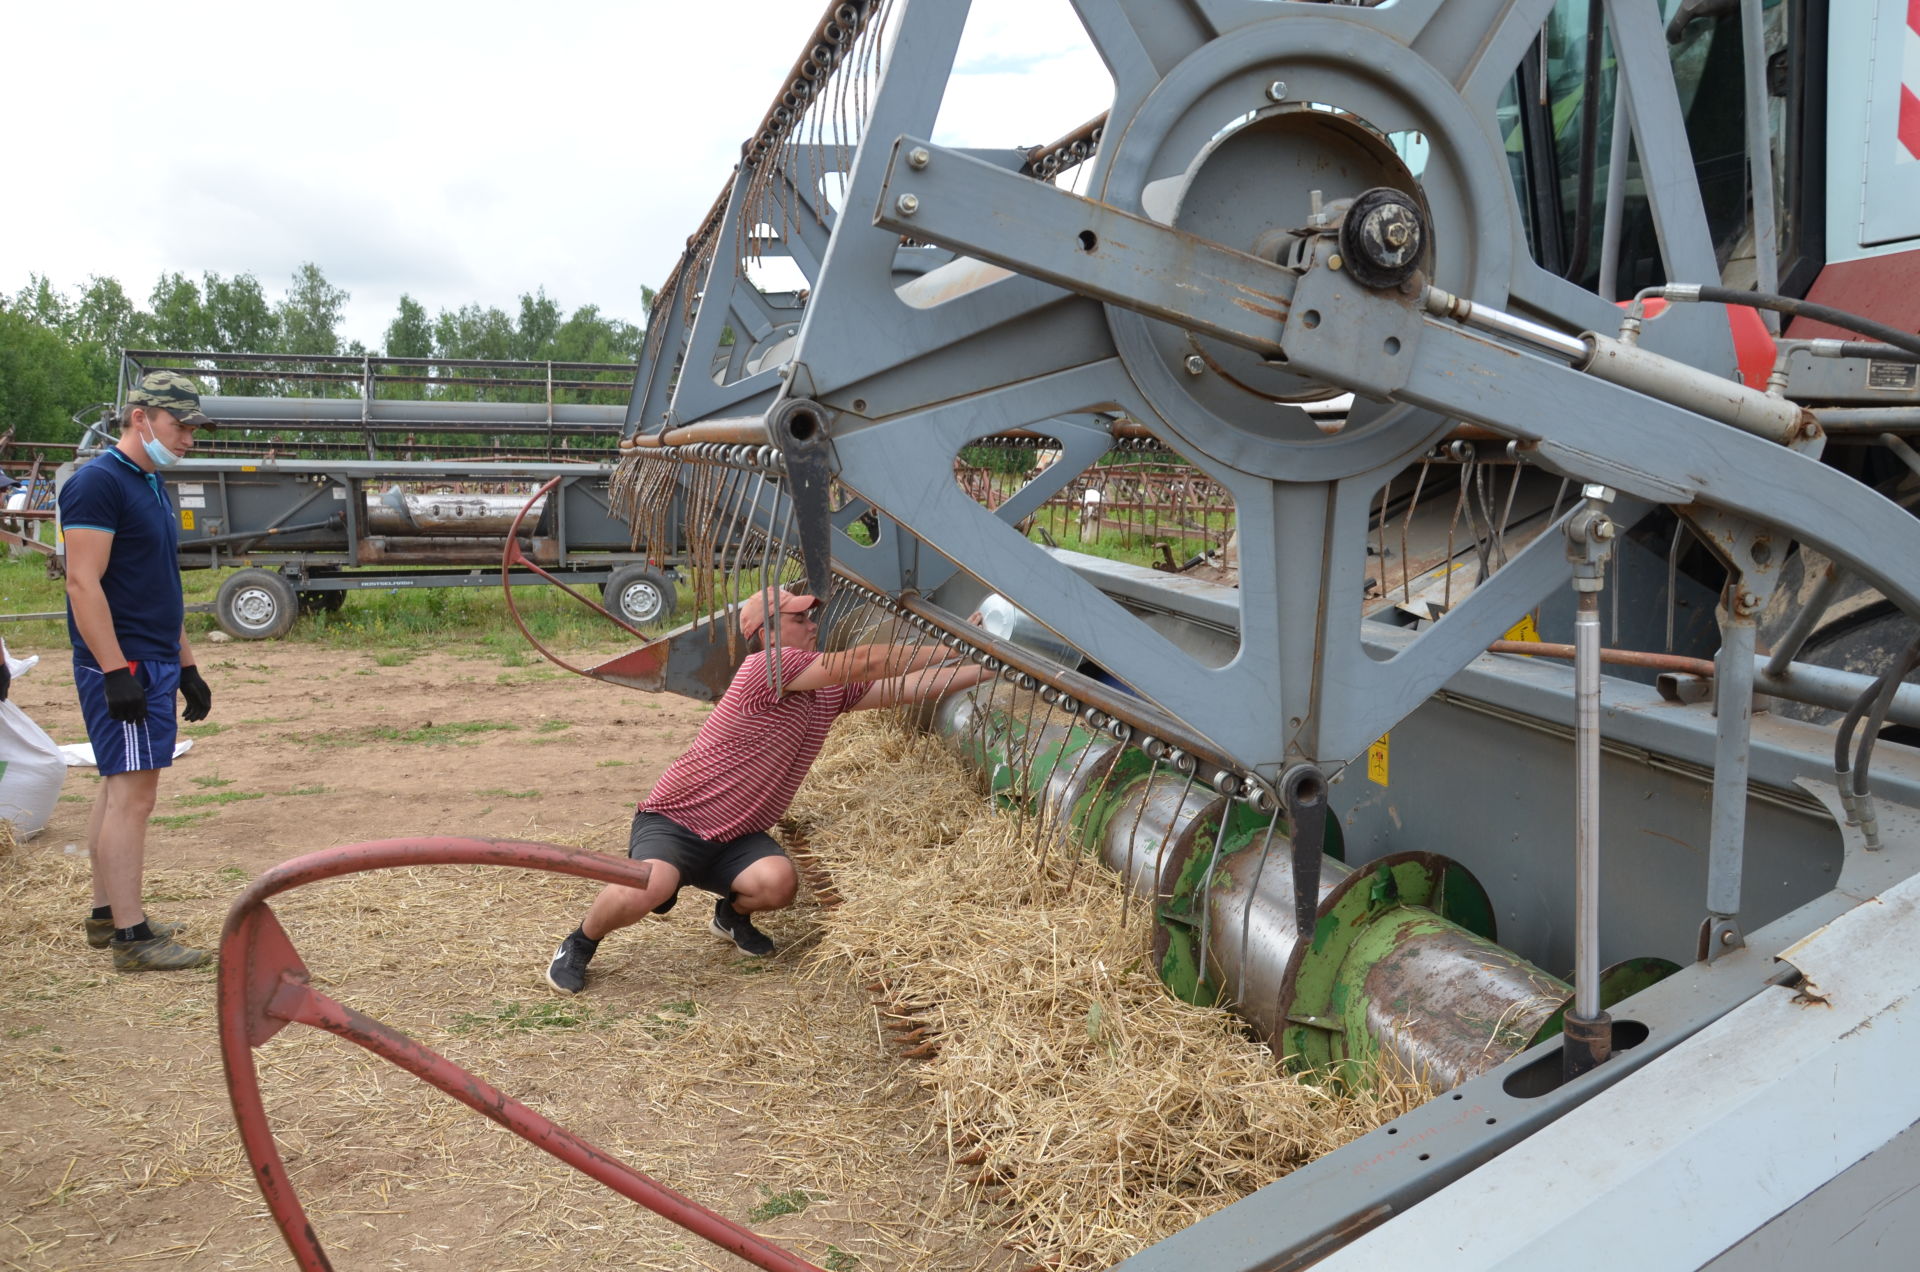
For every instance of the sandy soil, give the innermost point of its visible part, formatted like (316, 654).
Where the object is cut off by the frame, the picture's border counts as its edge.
(738, 1082)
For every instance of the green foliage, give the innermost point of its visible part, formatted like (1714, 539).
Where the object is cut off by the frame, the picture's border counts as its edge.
(199, 798)
(60, 350)
(504, 1018)
(45, 378)
(791, 1202)
(309, 314)
(177, 820)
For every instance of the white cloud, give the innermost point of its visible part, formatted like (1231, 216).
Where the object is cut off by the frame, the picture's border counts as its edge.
(458, 152)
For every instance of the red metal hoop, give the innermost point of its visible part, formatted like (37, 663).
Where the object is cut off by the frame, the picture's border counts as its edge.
(264, 987)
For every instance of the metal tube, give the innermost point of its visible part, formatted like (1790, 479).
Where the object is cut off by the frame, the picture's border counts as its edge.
(1586, 832)
(1873, 420)
(1906, 453)
(1766, 249)
(1733, 702)
(1499, 323)
(1617, 154)
(289, 412)
(1643, 371)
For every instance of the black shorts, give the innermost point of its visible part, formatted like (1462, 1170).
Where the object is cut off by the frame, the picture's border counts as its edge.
(711, 865)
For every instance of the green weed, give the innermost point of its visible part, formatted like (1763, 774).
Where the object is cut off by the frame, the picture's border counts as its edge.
(506, 1018)
(839, 1260)
(231, 874)
(553, 726)
(791, 1202)
(670, 1018)
(500, 792)
(202, 730)
(216, 798)
(213, 780)
(612, 764)
(308, 790)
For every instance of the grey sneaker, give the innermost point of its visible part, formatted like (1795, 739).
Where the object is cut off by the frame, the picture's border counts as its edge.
(568, 970)
(731, 925)
(100, 931)
(160, 954)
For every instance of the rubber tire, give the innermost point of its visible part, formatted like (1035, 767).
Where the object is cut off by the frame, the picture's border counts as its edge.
(256, 605)
(640, 595)
(317, 602)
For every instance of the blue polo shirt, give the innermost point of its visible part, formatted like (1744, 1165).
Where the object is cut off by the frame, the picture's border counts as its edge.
(142, 578)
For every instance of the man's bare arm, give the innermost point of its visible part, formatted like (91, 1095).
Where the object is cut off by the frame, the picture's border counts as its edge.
(918, 686)
(867, 662)
(87, 552)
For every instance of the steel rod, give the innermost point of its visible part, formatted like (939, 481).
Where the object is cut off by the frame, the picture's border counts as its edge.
(1732, 752)
(1586, 844)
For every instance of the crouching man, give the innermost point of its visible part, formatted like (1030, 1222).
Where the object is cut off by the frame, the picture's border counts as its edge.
(705, 823)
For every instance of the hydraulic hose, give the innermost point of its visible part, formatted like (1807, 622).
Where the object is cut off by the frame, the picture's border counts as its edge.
(1883, 698)
(1715, 295)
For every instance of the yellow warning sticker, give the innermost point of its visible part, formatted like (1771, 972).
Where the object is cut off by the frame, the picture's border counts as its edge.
(1377, 761)
(186, 518)
(1523, 630)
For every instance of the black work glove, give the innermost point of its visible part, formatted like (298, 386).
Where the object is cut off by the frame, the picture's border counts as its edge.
(126, 696)
(6, 678)
(194, 690)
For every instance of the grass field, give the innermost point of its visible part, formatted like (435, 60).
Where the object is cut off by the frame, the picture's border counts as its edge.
(397, 620)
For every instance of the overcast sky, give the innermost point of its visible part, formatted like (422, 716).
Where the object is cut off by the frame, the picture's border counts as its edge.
(457, 152)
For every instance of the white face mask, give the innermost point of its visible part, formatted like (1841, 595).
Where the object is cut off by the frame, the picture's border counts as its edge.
(160, 455)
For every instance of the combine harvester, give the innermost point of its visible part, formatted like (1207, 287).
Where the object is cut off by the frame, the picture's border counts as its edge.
(1465, 306)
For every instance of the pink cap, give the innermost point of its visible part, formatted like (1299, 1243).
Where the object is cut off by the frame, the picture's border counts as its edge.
(753, 610)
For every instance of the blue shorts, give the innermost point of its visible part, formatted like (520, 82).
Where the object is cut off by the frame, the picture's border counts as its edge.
(120, 747)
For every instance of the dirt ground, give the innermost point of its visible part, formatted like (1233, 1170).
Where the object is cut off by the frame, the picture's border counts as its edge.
(758, 1088)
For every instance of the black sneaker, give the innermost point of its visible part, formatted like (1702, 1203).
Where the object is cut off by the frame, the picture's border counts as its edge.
(731, 925)
(568, 970)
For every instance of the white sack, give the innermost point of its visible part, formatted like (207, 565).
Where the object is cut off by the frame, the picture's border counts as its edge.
(31, 771)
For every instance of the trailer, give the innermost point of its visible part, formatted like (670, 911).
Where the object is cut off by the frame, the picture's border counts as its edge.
(305, 532)
(330, 474)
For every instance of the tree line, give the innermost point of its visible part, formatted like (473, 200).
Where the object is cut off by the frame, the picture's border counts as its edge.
(60, 350)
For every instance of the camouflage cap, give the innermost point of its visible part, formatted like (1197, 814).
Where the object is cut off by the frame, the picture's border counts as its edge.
(170, 391)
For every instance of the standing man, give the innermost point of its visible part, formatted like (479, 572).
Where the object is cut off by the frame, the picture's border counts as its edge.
(125, 616)
(706, 821)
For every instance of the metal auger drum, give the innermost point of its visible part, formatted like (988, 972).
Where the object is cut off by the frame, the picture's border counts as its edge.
(1403, 957)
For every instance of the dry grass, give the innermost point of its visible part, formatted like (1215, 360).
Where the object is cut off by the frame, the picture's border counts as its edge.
(1073, 1110)
(733, 1080)
(1100, 1113)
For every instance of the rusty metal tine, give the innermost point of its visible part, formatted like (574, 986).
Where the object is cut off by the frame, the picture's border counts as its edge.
(1126, 893)
(1406, 564)
(1206, 891)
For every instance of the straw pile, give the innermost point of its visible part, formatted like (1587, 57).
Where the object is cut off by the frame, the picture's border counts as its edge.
(1100, 1113)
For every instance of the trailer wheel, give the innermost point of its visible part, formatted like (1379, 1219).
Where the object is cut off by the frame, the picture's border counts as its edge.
(640, 595)
(256, 605)
(316, 602)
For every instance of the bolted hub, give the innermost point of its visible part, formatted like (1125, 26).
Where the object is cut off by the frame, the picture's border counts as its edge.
(1382, 238)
